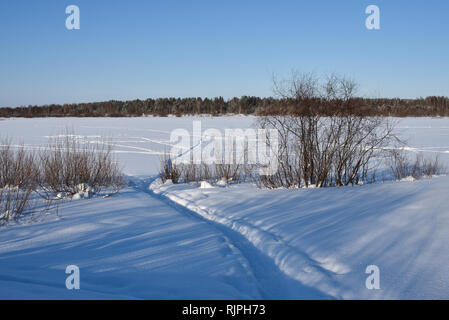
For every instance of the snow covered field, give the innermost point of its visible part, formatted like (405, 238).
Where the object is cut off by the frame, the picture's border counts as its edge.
(140, 142)
(236, 242)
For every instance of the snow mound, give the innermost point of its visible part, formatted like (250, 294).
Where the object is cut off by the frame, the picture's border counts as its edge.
(223, 182)
(205, 185)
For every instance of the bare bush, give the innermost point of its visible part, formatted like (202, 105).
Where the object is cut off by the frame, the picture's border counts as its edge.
(69, 167)
(65, 167)
(13, 203)
(231, 172)
(402, 167)
(17, 173)
(192, 172)
(315, 150)
(168, 170)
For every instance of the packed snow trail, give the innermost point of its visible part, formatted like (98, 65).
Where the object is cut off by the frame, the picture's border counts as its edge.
(274, 282)
(129, 246)
(271, 282)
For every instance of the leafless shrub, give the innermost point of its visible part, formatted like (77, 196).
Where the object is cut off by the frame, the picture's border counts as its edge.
(430, 167)
(69, 167)
(402, 167)
(13, 203)
(17, 173)
(17, 166)
(315, 150)
(230, 172)
(168, 170)
(65, 166)
(197, 172)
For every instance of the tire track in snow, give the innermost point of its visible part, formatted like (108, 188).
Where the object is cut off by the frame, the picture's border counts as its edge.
(142, 186)
(271, 281)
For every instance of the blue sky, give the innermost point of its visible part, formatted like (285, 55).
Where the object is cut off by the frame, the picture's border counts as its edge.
(150, 48)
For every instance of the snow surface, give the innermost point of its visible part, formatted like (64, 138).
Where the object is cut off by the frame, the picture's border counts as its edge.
(229, 241)
(140, 143)
(326, 238)
(130, 246)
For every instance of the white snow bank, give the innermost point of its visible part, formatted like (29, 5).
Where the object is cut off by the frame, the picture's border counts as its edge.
(205, 185)
(326, 238)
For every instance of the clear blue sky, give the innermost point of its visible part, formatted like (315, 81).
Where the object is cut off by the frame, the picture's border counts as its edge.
(156, 48)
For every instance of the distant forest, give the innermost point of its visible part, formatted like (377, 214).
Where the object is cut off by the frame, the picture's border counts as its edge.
(430, 106)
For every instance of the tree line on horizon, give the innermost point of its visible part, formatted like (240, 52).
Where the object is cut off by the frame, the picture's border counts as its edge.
(246, 105)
